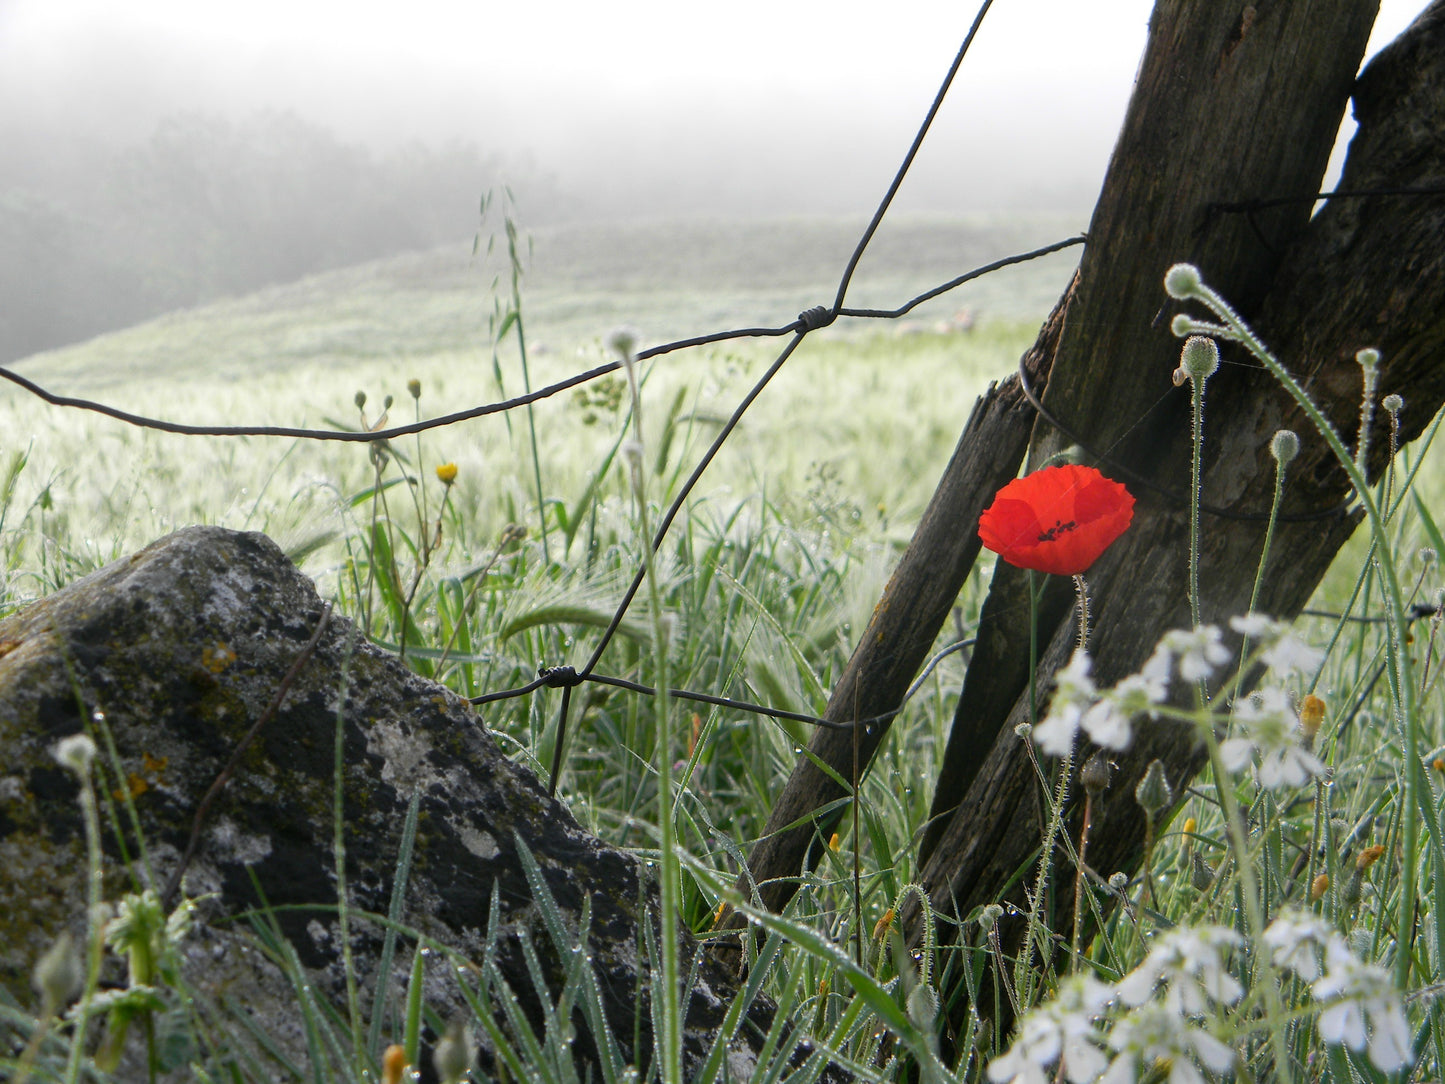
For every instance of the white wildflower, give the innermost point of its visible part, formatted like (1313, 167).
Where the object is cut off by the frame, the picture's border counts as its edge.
(1105, 717)
(1200, 651)
(1295, 938)
(1291, 655)
(1257, 626)
(1159, 669)
(1066, 1026)
(1269, 727)
(1108, 721)
(1282, 651)
(1359, 994)
(1074, 694)
(1156, 1034)
(1191, 961)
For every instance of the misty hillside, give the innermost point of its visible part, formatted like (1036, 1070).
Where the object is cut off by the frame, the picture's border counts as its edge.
(95, 238)
(670, 279)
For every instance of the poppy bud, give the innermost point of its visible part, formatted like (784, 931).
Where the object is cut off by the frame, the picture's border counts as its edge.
(413, 388)
(75, 752)
(359, 399)
(1318, 887)
(1182, 280)
(1201, 873)
(1284, 447)
(1199, 359)
(1095, 775)
(1153, 792)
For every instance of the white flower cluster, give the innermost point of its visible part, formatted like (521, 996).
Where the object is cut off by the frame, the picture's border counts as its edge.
(1266, 721)
(1072, 1037)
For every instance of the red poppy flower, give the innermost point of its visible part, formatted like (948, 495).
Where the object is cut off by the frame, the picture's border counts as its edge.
(1057, 520)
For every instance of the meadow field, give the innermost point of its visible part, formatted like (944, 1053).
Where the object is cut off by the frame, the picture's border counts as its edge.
(771, 570)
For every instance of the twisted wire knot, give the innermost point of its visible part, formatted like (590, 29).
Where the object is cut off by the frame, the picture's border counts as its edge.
(559, 677)
(817, 317)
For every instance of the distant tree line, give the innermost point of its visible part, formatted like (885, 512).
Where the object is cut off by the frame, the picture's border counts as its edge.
(209, 207)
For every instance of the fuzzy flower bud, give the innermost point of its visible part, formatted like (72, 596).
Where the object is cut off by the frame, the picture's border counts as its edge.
(1393, 404)
(623, 342)
(1118, 881)
(58, 974)
(1182, 280)
(1198, 361)
(1201, 873)
(1153, 792)
(452, 1059)
(1284, 447)
(1095, 775)
(1024, 730)
(1183, 325)
(75, 752)
(1318, 887)
(989, 916)
(360, 400)
(413, 388)
(1369, 359)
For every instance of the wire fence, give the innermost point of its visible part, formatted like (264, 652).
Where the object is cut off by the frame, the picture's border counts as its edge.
(814, 319)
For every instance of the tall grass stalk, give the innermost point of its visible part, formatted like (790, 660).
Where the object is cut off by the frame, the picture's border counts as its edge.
(669, 872)
(1189, 286)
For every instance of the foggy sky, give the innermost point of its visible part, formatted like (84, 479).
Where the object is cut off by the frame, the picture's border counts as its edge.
(642, 106)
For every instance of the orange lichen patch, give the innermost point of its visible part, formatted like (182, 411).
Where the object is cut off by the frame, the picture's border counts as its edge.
(140, 782)
(7, 646)
(136, 784)
(217, 657)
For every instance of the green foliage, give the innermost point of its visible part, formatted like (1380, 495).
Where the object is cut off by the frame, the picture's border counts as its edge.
(766, 579)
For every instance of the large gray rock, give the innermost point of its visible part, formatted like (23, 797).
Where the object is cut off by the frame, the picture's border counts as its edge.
(181, 648)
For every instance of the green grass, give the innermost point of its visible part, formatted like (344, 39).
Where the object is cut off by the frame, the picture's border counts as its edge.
(767, 576)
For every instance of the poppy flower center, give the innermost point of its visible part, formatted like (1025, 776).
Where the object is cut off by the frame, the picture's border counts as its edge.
(1059, 528)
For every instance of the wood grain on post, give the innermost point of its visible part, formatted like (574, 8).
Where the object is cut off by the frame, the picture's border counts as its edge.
(1367, 271)
(1233, 102)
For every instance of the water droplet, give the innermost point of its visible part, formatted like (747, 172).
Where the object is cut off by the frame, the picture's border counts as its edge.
(97, 716)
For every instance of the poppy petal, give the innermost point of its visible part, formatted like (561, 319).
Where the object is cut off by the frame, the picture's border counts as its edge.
(1059, 519)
